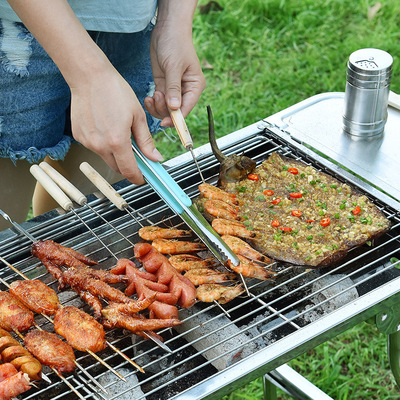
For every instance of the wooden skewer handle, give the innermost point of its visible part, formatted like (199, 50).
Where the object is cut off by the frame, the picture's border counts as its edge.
(181, 128)
(73, 192)
(103, 186)
(51, 187)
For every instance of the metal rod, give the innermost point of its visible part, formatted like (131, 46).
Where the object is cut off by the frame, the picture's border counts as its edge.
(197, 164)
(18, 226)
(109, 224)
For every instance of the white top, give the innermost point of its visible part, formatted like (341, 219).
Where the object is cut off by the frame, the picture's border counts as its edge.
(103, 15)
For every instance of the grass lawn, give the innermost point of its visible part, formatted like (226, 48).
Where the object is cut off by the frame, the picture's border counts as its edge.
(259, 57)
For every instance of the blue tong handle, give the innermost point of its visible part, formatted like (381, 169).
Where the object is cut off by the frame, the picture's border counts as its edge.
(159, 179)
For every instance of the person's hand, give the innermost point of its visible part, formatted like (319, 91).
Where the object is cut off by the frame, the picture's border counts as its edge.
(105, 112)
(104, 109)
(178, 78)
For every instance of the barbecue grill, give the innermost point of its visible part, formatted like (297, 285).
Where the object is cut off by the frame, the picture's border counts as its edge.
(218, 350)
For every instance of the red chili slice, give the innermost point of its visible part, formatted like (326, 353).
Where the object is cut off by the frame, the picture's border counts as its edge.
(296, 195)
(275, 223)
(285, 229)
(296, 213)
(325, 221)
(357, 210)
(268, 192)
(277, 200)
(293, 171)
(310, 220)
(253, 177)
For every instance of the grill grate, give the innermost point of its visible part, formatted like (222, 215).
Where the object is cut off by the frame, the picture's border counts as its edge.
(208, 342)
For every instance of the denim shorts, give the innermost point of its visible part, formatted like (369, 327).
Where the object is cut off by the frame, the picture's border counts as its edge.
(35, 99)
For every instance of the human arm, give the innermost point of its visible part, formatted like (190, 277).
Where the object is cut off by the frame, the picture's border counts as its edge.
(105, 111)
(176, 68)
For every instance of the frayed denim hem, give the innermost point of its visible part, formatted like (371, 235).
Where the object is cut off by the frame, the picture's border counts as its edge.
(33, 155)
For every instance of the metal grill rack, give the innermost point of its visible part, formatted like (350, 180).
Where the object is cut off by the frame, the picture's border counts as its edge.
(212, 354)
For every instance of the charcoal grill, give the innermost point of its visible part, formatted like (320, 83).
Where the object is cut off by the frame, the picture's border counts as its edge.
(213, 352)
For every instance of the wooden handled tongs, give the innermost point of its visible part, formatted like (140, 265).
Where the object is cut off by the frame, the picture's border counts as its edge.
(184, 134)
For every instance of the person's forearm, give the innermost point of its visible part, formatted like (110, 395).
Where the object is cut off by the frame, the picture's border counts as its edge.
(58, 30)
(179, 12)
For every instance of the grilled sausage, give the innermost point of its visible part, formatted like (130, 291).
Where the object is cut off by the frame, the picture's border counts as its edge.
(13, 352)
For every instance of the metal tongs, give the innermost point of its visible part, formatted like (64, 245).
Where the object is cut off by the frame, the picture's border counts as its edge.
(181, 204)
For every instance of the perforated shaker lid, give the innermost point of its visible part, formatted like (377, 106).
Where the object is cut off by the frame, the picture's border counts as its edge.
(370, 65)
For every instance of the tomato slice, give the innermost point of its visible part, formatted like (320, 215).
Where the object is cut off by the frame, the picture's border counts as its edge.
(296, 195)
(357, 210)
(293, 171)
(296, 213)
(268, 192)
(253, 177)
(325, 221)
(275, 223)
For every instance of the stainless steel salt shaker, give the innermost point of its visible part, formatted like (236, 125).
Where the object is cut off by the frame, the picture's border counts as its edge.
(369, 73)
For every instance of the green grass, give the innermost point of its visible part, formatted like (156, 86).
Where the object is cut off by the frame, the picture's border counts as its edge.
(267, 55)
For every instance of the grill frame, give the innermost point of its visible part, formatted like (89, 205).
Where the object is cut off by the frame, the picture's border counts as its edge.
(14, 248)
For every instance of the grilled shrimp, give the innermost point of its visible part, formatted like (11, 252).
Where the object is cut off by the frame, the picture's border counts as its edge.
(233, 228)
(171, 246)
(220, 209)
(213, 193)
(250, 269)
(155, 232)
(242, 248)
(213, 292)
(200, 276)
(186, 262)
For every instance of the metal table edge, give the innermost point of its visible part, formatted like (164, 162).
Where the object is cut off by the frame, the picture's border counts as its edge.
(295, 344)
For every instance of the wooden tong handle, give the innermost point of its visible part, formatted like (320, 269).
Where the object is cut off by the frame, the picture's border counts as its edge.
(52, 188)
(73, 192)
(103, 186)
(181, 128)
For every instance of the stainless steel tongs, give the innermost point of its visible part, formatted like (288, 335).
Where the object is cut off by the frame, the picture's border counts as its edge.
(181, 204)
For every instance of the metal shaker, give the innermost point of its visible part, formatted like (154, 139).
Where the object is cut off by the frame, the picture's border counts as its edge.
(369, 73)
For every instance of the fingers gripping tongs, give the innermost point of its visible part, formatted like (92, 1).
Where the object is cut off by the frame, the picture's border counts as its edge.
(158, 178)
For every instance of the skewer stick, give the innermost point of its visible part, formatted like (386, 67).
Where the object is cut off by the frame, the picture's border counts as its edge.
(125, 356)
(108, 343)
(40, 329)
(105, 364)
(222, 308)
(80, 367)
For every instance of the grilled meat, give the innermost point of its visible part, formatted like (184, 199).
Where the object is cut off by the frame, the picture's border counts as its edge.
(134, 322)
(13, 352)
(60, 255)
(81, 281)
(50, 350)
(13, 386)
(81, 330)
(156, 263)
(36, 295)
(54, 255)
(13, 314)
(234, 167)
(304, 216)
(145, 285)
